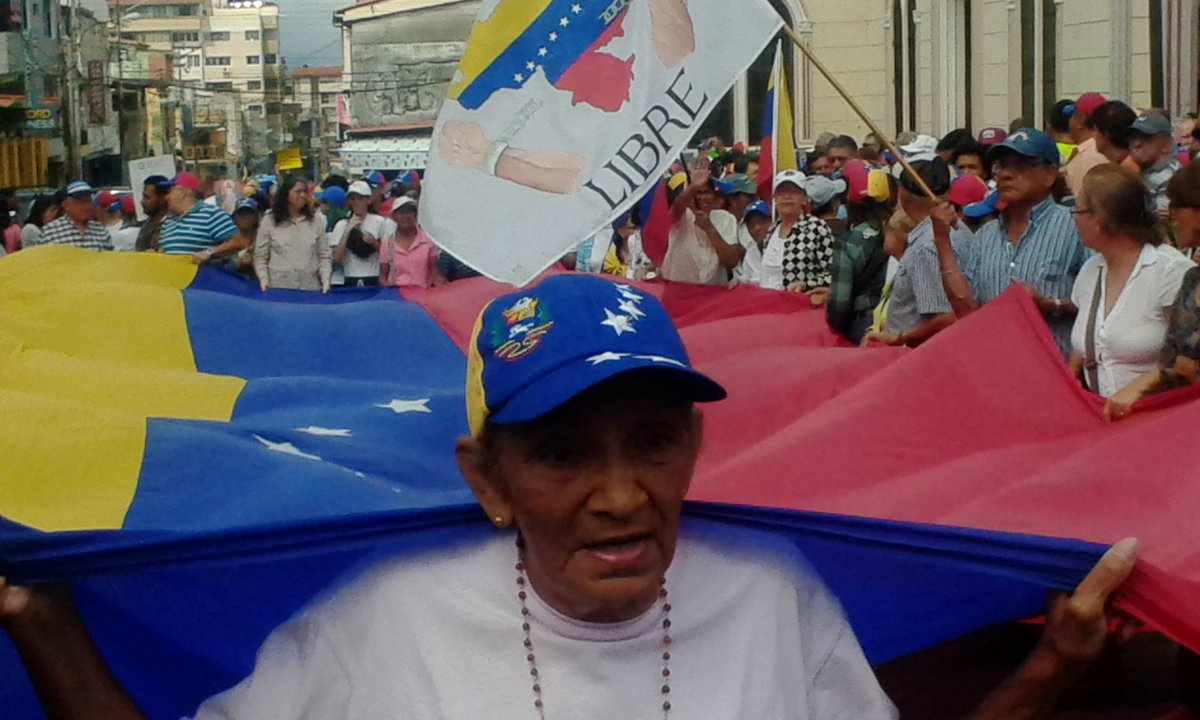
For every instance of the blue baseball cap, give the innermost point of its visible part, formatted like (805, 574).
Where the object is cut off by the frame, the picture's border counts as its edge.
(333, 195)
(245, 204)
(1028, 142)
(759, 207)
(990, 205)
(534, 350)
(79, 187)
(375, 179)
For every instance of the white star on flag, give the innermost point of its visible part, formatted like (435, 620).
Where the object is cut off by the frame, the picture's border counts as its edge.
(542, 52)
(324, 432)
(629, 294)
(531, 66)
(576, 9)
(407, 406)
(564, 22)
(553, 37)
(631, 309)
(286, 448)
(660, 359)
(607, 357)
(619, 323)
(519, 77)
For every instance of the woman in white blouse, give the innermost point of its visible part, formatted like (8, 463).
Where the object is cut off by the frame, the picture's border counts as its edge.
(1125, 291)
(292, 251)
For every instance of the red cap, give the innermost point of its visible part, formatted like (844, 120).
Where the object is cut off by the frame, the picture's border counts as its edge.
(105, 198)
(1088, 102)
(128, 206)
(965, 190)
(855, 174)
(187, 181)
(992, 136)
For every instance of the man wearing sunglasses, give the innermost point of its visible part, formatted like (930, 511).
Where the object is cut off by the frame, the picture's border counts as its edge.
(1034, 243)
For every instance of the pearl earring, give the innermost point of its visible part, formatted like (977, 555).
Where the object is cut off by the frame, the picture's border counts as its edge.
(499, 520)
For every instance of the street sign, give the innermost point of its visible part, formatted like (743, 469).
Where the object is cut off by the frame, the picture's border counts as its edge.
(40, 121)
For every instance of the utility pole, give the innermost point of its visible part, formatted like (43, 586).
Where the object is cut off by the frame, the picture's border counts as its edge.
(73, 61)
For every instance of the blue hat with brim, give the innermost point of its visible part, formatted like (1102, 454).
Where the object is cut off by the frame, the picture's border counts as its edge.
(758, 207)
(983, 208)
(333, 195)
(533, 351)
(1030, 143)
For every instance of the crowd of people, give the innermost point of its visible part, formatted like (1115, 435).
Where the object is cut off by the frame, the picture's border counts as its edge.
(1096, 215)
(291, 235)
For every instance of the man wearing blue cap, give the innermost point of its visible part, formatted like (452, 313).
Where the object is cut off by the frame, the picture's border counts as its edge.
(1034, 243)
(757, 223)
(77, 225)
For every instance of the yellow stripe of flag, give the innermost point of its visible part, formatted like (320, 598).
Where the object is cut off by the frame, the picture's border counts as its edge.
(91, 347)
(491, 37)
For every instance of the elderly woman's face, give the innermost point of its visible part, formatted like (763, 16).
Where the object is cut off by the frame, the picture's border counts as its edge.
(596, 489)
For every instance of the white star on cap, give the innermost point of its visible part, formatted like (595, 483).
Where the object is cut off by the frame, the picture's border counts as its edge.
(607, 357)
(407, 406)
(660, 359)
(619, 323)
(631, 309)
(286, 448)
(324, 432)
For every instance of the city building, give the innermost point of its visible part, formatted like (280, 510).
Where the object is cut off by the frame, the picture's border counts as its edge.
(242, 56)
(925, 65)
(318, 93)
(32, 85)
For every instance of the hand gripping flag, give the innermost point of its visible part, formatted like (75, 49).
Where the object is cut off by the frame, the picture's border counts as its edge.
(565, 113)
(778, 149)
(199, 458)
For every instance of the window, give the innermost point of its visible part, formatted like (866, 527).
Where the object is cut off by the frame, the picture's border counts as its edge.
(326, 98)
(221, 61)
(184, 37)
(252, 35)
(193, 61)
(219, 86)
(270, 59)
(219, 35)
(254, 109)
(271, 34)
(274, 108)
(254, 84)
(272, 84)
(252, 59)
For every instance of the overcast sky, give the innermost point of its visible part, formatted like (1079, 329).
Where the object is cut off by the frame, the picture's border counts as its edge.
(307, 33)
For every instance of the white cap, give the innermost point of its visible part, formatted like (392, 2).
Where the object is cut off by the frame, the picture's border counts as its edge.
(821, 190)
(403, 202)
(795, 177)
(924, 147)
(359, 187)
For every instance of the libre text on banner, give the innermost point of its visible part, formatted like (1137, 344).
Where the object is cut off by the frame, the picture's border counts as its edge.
(563, 113)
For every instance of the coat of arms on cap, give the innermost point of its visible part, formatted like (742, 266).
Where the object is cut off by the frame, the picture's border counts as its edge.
(525, 324)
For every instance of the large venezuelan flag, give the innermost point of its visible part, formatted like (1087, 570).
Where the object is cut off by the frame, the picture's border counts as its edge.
(200, 459)
(778, 148)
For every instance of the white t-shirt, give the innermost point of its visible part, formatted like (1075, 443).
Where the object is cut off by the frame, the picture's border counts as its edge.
(438, 636)
(1130, 339)
(124, 239)
(690, 255)
(771, 276)
(353, 266)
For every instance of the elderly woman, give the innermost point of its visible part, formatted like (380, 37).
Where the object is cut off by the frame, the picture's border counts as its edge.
(591, 598)
(292, 251)
(1179, 362)
(1125, 291)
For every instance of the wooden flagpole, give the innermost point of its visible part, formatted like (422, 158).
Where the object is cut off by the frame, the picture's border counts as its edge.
(887, 141)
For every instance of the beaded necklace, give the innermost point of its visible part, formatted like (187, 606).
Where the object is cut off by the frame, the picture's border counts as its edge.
(531, 657)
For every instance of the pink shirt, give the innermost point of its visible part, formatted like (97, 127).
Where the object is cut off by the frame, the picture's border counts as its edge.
(412, 267)
(12, 238)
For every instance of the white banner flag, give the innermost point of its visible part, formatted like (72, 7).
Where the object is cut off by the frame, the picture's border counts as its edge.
(563, 113)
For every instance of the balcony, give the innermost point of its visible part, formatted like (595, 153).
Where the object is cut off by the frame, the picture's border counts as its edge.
(12, 54)
(200, 153)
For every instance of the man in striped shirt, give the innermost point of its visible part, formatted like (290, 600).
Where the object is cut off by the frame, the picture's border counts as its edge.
(1034, 243)
(77, 225)
(193, 228)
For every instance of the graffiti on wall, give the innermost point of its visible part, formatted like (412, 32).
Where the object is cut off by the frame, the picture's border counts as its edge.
(396, 84)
